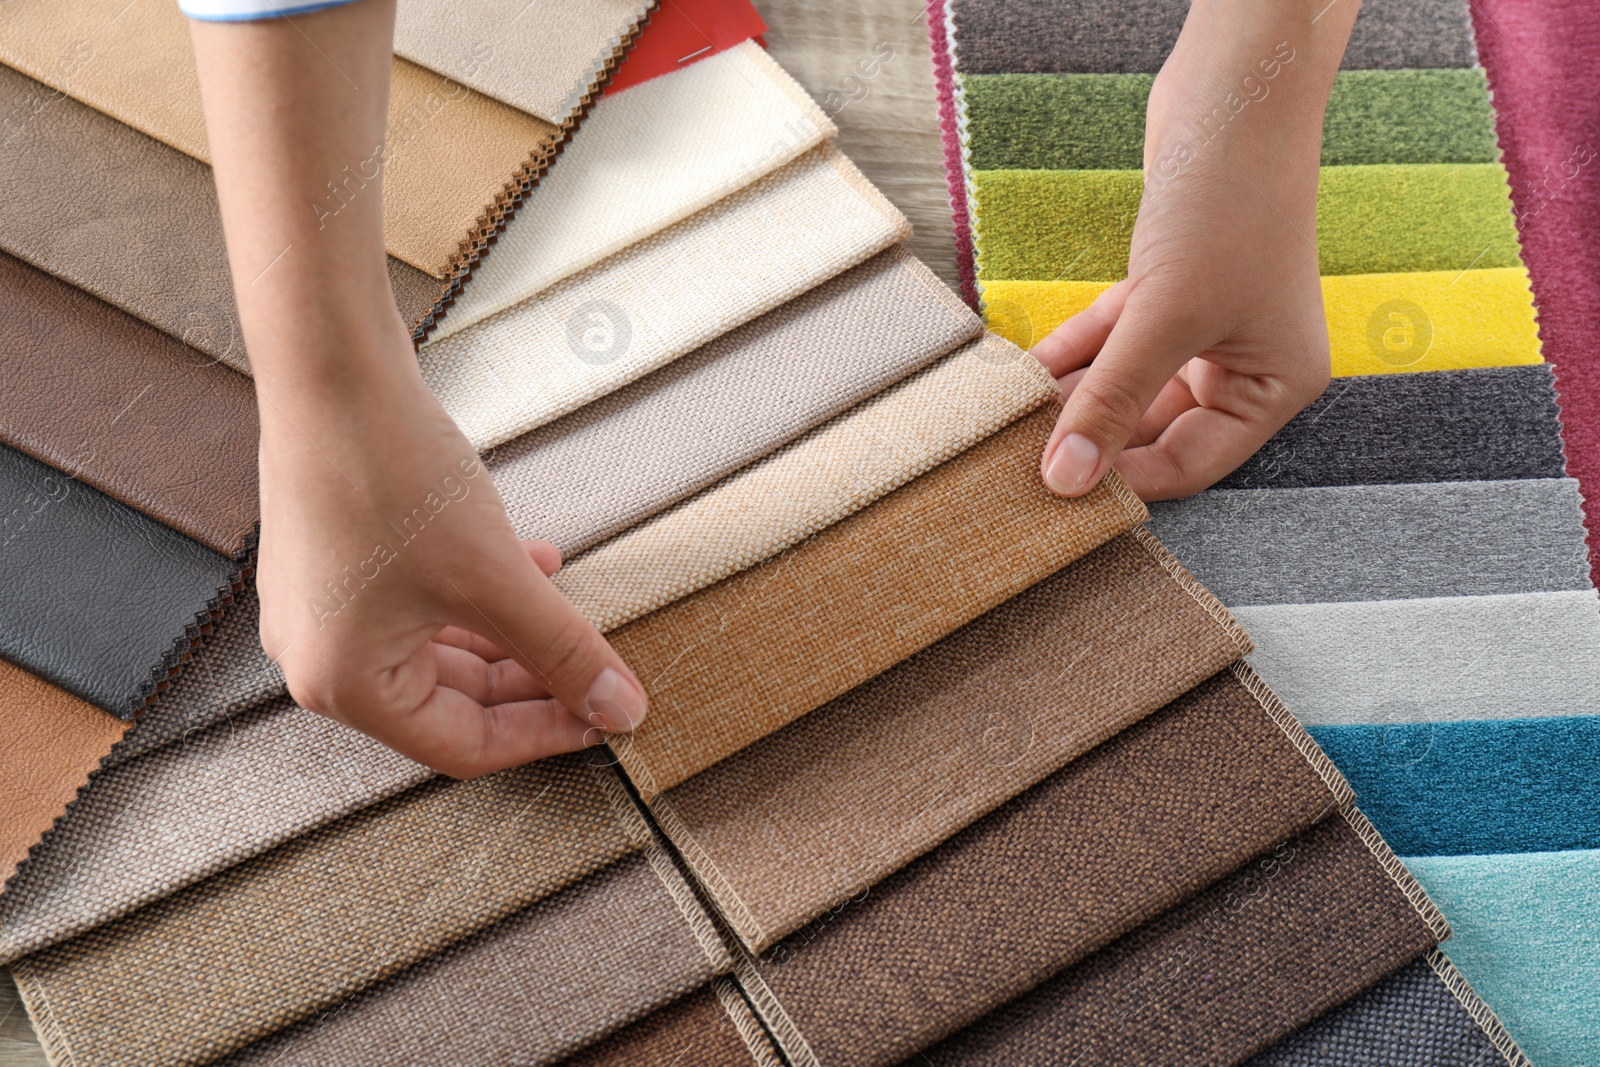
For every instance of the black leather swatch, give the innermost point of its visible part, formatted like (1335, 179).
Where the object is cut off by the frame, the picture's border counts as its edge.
(98, 598)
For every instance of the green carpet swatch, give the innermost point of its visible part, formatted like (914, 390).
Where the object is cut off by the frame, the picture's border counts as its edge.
(1075, 225)
(1096, 121)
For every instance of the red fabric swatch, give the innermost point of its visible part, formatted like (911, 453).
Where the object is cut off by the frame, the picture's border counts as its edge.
(683, 32)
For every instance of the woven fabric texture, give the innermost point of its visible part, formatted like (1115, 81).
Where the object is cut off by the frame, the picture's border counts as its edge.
(730, 664)
(809, 816)
(628, 455)
(452, 151)
(1460, 657)
(830, 473)
(1118, 836)
(302, 928)
(661, 298)
(734, 118)
(1380, 542)
(1258, 955)
(703, 1029)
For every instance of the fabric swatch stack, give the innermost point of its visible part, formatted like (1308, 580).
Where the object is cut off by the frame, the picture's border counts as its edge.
(1409, 554)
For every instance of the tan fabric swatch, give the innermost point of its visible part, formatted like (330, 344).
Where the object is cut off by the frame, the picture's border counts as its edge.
(452, 151)
(712, 1027)
(811, 815)
(727, 666)
(299, 929)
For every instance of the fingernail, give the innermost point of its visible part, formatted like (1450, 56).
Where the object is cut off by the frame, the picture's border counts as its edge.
(1072, 466)
(614, 704)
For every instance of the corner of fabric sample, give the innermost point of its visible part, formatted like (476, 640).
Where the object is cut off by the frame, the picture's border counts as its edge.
(172, 662)
(786, 84)
(1474, 1006)
(870, 193)
(52, 1036)
(1344, 794)
(1191, 585)
(756, 1040)
(1403, 879)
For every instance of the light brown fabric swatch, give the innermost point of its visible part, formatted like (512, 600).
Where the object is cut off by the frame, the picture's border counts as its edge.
(709, 1028)
(50, 741)
(811, 815)
(736, 661)
(304, 927)
(452, 152)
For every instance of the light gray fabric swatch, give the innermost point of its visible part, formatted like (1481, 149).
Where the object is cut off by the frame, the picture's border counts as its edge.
(1510, 656)
(1380, 542)
(635, 452)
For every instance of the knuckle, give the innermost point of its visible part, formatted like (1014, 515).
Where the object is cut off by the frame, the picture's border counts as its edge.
(1107, 408)
(569, 652)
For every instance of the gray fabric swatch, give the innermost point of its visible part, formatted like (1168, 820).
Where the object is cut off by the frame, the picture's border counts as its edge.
(1511, 656)
(623, 458)
(1134, 36)
(1380, 542)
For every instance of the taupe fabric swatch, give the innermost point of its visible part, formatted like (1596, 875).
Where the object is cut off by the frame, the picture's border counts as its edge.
(130, 220)
(709, 1028)
(1112, 840)
(1212, 982)
(302, 928)
(626, 456)
(736, 661)
(807, 817)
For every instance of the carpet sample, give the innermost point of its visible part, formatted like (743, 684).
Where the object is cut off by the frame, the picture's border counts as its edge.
(454, 154)
(1525, 935)
(808, 817)
(736, 661)
(1486, 424)
(1096, 121)
(50, 742)
(662, 298)
(101, 600)
(1455, 788)
(303, 928)
(95, 184)
(628, 455)
(1377, 323)
(1223, 976)
(1137, 826)
(1413, 1018)
(1075, 225)
(1380, 542)
(709, 1028)
(1437, 658)
(683, 32)
(734, 119)
(1107, 36)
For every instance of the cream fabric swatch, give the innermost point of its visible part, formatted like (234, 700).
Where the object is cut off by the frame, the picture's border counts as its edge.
(649, 157)
(661, 298)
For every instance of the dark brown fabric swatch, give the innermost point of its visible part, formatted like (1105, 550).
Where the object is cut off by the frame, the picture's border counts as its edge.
(1267, 950)
(1112, 840)
(701, 1030)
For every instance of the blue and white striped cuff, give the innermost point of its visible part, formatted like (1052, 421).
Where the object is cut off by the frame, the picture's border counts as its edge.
(246, 10)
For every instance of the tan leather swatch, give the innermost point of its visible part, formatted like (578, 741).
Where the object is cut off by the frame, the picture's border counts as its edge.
(453, 151)
(50, 741)
(742, 658)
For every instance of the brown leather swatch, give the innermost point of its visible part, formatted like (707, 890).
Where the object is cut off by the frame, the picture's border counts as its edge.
(130, 220)
(118, 404)
(453, 151)
(698, 1031)
(50, 741)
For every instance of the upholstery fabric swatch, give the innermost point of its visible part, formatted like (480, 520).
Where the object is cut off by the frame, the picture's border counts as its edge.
(1377, 323)
(267, 943)
(807, 817)
(1525, 935)
(826, 475)
(709, 1028)
(1371, 219)
(736, 661)
(1108, 36)
(1459, 657)
(628, 455)
(1096, 121)
(661, 298)
(100, 600)
(1413, 1018)
(1136, 826)
(94, 184)
(452, 153)
(646, 160)
(1380, 542)
(50, 741)
(1500, 785)
(1469, 425)
(1221, 977)
(100, 395)
(542, 57)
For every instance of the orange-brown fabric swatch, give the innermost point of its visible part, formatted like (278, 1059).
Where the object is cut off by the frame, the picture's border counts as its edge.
(701, 1030)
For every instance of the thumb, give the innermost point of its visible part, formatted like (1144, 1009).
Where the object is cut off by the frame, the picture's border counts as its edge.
(1151, 340)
